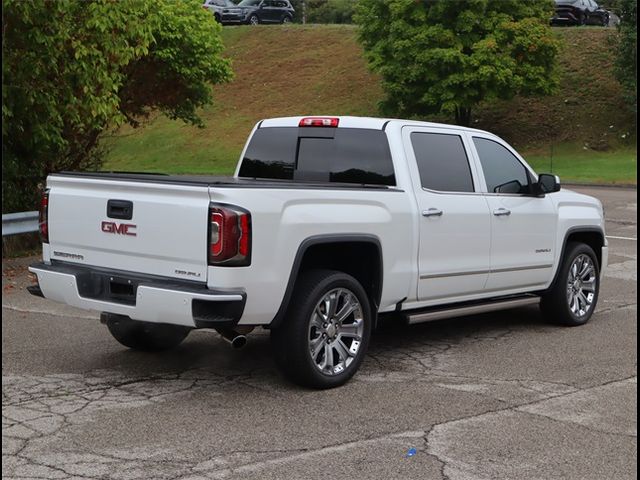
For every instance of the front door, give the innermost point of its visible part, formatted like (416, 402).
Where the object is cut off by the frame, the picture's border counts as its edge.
(523, 226)
(453, 259)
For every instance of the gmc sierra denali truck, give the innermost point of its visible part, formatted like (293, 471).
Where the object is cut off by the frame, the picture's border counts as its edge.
(327, 224)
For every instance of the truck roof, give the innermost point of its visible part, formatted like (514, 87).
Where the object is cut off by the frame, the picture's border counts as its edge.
(358, 122)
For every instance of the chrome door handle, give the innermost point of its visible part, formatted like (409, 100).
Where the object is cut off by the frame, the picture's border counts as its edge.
(432, 212)
(500, 212)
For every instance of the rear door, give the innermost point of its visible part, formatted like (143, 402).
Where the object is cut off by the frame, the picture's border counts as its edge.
(453, 258)
(523, 226)
(151, 227)
(268, 11)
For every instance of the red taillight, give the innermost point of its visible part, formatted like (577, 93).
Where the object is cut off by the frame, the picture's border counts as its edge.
(44, 217)
(319, 122)
(229, 236)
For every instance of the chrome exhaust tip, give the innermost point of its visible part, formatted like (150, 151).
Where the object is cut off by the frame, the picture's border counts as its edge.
(235, 339)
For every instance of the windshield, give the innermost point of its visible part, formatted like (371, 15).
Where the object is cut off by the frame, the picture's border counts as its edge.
(249, 3)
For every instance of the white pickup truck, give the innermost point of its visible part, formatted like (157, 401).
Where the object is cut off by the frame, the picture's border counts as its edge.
(327, 224)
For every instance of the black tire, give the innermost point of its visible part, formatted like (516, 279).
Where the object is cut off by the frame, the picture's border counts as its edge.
(146, 336)
(582, 20)
(253, 20)
(291, 340)
(217, 18)
(286, 19)
(555, 303)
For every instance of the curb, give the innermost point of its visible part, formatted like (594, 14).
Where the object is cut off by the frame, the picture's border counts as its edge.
(631, 186)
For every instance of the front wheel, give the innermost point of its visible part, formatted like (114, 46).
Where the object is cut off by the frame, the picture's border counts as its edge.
(145, 336)
(574, 295)
(286, 20)
(326, 331)
(254, 20)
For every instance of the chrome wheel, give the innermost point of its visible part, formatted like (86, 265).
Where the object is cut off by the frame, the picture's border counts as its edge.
(581, 285)
(336, 330)
(254, 20)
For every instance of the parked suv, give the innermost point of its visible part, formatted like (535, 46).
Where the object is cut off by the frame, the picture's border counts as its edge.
(224, 11)
(579, 12)
(254, 12)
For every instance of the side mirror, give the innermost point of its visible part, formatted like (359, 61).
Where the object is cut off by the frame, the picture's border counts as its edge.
(548, 183)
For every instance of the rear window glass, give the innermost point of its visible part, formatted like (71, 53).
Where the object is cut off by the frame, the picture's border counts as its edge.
(344, 155)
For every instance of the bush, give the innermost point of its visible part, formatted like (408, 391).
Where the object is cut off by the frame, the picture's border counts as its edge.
(74, 69)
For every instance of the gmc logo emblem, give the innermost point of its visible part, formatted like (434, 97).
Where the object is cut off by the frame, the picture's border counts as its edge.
(120, 229)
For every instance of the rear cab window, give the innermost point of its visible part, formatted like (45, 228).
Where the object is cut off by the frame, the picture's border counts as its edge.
(442, 162)
(328, 155)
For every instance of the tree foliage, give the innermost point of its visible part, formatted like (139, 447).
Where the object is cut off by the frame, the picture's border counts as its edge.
(330, 11)
(626, 65)
(442, 56)
(74, 69)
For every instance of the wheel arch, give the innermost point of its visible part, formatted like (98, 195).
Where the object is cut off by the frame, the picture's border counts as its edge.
(589, 235)
(337, 252)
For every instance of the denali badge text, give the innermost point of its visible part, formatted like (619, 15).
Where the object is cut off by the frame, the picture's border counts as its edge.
(119, 228)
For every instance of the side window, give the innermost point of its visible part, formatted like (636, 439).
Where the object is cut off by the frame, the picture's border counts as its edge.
(442, 162)
(503, 172)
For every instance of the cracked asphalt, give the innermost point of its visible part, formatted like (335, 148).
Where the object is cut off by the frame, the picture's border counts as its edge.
(501, 395)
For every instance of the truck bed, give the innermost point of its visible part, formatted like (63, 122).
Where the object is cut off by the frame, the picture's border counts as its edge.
(213, 180)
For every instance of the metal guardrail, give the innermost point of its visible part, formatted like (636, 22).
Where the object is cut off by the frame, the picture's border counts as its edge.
(21, 222)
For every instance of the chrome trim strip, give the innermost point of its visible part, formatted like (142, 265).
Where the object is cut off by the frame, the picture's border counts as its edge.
(517, 269)
(482, 272)
(456, 274)
(471, 310)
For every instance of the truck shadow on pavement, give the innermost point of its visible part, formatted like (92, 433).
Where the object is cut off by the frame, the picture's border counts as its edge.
(393, 345)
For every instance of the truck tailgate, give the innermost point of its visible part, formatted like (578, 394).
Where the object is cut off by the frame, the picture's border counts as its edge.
(165, 233)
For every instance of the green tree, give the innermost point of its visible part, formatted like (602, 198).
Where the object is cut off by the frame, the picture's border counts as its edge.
(74, 69)
(442, 56)
(330, 11)
(626, 64)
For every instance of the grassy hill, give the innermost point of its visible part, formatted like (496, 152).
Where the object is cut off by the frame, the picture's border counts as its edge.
(299, 70)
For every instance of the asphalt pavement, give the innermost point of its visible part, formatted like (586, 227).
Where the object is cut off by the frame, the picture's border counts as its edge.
(502, 395)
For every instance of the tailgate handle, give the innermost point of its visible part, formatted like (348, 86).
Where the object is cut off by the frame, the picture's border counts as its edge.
(121, 209)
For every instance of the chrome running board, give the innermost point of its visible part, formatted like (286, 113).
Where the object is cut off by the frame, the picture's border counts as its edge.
(437, 313)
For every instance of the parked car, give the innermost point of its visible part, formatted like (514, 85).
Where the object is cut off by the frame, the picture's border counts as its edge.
(222, 9)
(580, 12)
(254, 12)
(328, 224)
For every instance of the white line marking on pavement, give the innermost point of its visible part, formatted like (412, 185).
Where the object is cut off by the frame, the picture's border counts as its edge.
(44, 312)
(623, 238)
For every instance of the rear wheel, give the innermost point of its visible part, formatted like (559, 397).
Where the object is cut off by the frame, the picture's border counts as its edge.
(145, 336)
(582, 19)
(573, 298)
(326, 331)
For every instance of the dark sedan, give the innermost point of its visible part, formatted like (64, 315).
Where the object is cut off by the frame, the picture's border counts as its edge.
(580, 12)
